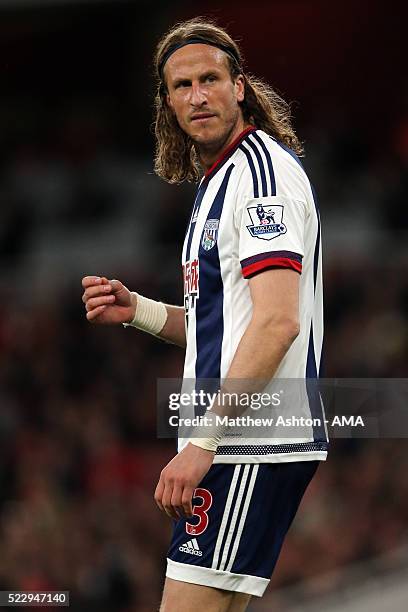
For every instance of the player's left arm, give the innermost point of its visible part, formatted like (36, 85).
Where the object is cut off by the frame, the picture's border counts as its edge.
(273, 327)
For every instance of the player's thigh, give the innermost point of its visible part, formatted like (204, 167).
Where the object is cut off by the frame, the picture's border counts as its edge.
(239, 602)
(181, 596)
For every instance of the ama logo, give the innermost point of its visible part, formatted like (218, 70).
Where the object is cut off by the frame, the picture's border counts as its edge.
(266, 221)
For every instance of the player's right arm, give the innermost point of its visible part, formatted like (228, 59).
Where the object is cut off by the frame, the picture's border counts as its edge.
(109, 302)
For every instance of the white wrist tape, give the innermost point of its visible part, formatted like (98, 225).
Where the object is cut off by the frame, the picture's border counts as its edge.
(150, 316)
(208, 436)
(210, 444)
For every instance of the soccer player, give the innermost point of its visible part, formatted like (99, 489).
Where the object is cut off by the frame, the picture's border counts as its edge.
(252, 310)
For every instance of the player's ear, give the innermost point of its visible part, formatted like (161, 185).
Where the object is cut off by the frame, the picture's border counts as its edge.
(166, 94)
(169, 102)
(240, 88)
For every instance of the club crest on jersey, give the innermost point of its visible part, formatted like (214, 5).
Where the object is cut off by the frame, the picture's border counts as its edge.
(266, 221)
(210, 234)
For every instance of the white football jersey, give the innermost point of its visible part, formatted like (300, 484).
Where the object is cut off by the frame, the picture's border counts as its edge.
(254, 210)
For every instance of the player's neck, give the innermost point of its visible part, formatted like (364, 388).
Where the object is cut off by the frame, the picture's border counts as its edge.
(209, 156)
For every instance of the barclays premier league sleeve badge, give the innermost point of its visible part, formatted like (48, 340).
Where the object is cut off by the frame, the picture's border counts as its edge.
(210, 234)
(266, 221)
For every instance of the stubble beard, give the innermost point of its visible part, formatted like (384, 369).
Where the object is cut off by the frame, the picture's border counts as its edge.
(217, 143)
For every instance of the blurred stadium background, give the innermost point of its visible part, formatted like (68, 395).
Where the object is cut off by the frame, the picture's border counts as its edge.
(79, 458)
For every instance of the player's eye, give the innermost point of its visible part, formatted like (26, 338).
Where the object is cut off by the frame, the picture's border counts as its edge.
(180, 84)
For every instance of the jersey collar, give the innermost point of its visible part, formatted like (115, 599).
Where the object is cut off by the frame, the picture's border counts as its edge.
(228, 152)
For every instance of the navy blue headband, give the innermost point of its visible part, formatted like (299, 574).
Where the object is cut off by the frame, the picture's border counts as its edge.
(194, 41)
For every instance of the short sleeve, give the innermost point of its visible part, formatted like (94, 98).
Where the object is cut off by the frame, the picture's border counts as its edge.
(271, 234)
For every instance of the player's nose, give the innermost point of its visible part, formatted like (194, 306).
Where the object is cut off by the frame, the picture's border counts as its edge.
(198, 95)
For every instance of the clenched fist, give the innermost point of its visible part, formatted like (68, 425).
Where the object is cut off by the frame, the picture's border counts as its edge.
(107, 302)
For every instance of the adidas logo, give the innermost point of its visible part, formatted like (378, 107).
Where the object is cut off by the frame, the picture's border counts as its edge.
(191, 547)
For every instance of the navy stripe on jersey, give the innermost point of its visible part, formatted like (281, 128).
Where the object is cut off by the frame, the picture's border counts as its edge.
(315, 402)
(253, 171)
(316, 263)
(209, 313)
(313, 393)
(197, 203)
(260, 164)
(317, 245)
(267, 154)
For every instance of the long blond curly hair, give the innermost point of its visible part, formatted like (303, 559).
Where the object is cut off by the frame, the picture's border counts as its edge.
(175, 158)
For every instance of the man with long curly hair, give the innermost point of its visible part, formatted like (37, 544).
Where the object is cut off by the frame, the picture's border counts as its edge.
(252, 312)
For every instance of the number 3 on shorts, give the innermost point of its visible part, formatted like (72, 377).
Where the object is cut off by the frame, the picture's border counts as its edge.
(201, 512)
